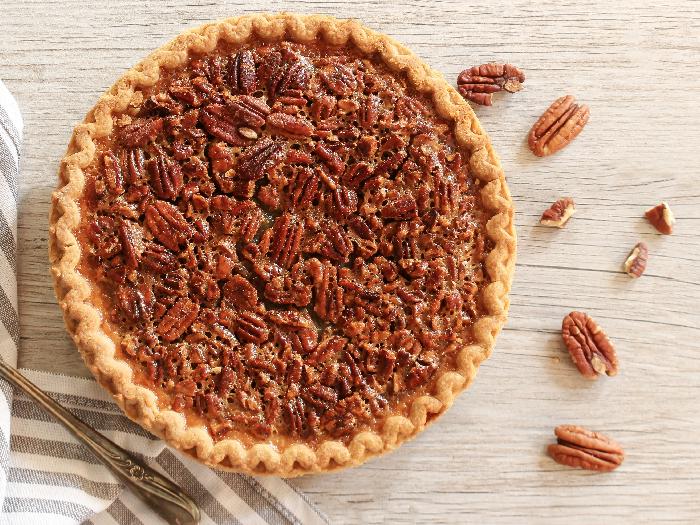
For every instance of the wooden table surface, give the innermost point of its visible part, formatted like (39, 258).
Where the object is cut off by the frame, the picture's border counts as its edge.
(637, 66)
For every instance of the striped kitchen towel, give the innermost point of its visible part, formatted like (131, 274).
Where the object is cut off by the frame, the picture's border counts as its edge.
(46, 477)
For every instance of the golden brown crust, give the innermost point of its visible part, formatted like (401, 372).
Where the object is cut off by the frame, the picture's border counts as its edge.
(84, 320)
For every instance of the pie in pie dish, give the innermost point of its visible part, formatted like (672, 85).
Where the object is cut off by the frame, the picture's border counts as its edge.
(282, 243)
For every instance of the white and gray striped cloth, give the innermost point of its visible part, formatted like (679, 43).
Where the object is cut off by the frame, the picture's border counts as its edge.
(46, 477)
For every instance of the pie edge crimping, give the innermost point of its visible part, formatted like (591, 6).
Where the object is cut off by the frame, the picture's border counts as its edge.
(83, 320)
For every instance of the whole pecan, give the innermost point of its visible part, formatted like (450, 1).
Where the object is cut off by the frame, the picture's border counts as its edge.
(241, 72)
(661, 218)
(261, 158)
(559, 213)
(166, 175)
(589, 346)
(637, 260)
(578, 447)
(478, 83)
(558, 126)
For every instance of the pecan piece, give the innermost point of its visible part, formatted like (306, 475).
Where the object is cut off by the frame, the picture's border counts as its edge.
(329, 296)
(589, 346)
(637, 260)
(136, 302)
(240, 292)
(261, 158)
(578, 447)
(478, 83)
(290, 319)
(166, 175)
(289, 125)
(330, 158)
(286, 241)
(339, 79)
(252, 328)
(661, 218)
(241, 73)
(559, 213)
(140, 133)
(168, 225)
(303, 188)
(558, 126)
(178, 319)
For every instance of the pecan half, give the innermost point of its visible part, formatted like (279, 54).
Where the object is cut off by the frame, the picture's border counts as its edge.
(403, 207)
(113, 174)
(558, 126)
(661, 218)
(303, 188)
(329, 296)
(252, 328)
(289, 125)
(369, 111)
(241, 72)
(140, 133)
(240, 292)
(290, 81)
(286, 241)
(166, 175)
(178, 319)
(252, 111)
(589, 346)
(261, 158)
(578, 447)
(168, 225)
(478, 83)
(218, 121)
(339, 79)
(559, 213)
(637, 260)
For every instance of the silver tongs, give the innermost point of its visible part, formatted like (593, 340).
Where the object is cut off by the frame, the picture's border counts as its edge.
(158, 493)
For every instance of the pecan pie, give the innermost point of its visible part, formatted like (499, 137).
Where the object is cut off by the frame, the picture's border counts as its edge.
(282, 243)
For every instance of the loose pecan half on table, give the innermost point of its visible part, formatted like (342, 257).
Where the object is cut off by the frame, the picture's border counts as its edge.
(558, 126)
(661, 218)
(589, 346)
(479, 82)
(559, 213)
(637, 260)
(578, 447)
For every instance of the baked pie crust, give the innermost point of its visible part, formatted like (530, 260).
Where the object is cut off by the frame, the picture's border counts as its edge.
(311, 258)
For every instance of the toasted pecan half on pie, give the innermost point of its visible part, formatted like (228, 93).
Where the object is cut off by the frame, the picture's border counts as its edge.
(282, 243)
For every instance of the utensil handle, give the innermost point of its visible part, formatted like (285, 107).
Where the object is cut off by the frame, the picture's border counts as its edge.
(158, 493)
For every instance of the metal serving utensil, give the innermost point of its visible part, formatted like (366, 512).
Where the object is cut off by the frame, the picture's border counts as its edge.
(158, 493)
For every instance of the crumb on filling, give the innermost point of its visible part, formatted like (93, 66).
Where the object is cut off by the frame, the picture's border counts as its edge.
(289, 241)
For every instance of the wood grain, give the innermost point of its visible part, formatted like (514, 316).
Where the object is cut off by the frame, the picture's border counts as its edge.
(636, 65)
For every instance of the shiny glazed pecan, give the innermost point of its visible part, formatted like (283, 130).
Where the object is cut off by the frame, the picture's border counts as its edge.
(558, 126)
(578, 447)
(589, 346)
(478, 83)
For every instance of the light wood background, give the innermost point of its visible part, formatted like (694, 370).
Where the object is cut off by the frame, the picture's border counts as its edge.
(637, 66)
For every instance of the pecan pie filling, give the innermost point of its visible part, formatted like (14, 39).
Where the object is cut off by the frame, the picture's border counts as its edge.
(288, 240)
